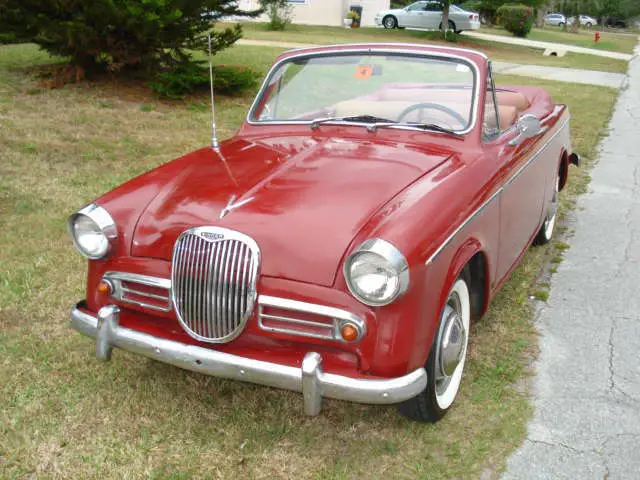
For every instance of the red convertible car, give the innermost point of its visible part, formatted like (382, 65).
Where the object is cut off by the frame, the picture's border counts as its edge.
(339, 245)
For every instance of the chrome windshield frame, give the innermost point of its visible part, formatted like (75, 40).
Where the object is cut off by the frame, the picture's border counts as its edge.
(367, 50)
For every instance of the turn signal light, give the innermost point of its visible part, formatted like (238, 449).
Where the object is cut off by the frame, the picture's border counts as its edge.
(104, 287)
(349, 332)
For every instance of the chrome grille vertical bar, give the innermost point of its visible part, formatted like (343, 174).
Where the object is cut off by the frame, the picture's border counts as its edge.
(233, 282)
(221, 279)
(216, 290)
(225, 288)
(207, 305)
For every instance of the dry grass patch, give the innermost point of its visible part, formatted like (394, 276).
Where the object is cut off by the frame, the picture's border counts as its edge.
(65, 415)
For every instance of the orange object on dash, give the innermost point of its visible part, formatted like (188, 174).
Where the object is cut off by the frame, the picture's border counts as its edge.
(363, 72)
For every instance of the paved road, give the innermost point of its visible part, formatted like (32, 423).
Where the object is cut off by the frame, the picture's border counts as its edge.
(544, 45)
(587, 386)
(572, 75)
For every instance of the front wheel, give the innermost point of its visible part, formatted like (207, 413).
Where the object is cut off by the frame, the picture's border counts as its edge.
(548, 226)
(588, 25)
(389, 22)
(446, 359)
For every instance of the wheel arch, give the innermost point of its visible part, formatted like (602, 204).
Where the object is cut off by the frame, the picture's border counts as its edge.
(471, 261)
(563, 168)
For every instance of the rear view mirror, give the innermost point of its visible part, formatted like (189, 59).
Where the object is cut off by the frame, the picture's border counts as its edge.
(528, 126)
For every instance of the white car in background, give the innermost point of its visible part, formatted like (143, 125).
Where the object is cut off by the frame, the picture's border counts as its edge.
(555, 19)
(428, 14)
(585, 21)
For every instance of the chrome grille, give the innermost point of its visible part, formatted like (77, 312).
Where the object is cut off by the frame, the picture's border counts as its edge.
(213, 282)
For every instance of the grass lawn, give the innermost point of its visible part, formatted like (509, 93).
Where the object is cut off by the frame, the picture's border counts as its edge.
(65, 415)
(582, 38)
(495, 51)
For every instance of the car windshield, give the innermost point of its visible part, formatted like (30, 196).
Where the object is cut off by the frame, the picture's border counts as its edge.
(369, 87)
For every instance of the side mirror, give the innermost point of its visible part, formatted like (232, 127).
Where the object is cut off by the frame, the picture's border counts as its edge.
(528, 126)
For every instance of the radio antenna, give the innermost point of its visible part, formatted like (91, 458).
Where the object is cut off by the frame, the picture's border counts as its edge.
(214, 132)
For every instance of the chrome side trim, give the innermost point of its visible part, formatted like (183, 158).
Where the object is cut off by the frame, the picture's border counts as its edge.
(310, 379)
(338, 318)
(497, 193)
(119, 290)
(363, 49)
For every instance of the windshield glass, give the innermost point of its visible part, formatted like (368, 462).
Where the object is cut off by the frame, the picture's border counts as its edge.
(373, 86)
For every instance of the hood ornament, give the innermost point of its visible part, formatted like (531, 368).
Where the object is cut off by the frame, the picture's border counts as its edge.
(232, 206)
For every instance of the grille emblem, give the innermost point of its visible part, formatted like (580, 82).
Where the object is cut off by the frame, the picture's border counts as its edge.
(212, 235)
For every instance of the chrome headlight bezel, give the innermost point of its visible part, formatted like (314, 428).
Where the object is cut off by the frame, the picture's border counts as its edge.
(394, 258)
(101, 218)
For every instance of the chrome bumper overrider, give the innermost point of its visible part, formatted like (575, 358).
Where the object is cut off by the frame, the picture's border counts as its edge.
(309, 379)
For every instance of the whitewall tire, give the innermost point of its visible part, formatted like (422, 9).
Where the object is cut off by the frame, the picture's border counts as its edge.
(447, 358)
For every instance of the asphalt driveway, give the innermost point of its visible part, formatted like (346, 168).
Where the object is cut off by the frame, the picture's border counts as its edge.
(587, 383)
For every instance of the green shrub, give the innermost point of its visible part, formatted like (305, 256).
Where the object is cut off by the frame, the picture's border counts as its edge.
(279, 13)
(517, 19)
(190, 77)
(8, 38)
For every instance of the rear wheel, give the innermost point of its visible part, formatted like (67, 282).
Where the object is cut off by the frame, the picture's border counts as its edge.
(389, 22)
(588, 25)
(446, 359)
(548, 226)
(452, 26)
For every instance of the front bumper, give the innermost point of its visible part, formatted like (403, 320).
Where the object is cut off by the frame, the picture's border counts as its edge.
(309, 379)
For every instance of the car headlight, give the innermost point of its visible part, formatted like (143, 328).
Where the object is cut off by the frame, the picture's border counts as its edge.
(93, 231)
(376, 273)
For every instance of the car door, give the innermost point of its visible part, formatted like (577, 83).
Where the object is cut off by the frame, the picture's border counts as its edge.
(523, 179)
(412, 15)
(432, 15)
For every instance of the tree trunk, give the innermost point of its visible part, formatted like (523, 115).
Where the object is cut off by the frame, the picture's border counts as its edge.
(445, 18)
(540, 17)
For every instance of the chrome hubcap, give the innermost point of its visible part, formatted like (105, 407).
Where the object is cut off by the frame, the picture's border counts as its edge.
(388, 23)
(453, 341)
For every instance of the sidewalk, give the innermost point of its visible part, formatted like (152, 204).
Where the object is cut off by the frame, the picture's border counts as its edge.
(545, 45)
(571, 75)
(587, 384)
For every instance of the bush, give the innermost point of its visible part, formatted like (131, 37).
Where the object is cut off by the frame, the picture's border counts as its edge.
(279, 13)
(117, 34)
(517, 19)
(189, 77)
(8, 38)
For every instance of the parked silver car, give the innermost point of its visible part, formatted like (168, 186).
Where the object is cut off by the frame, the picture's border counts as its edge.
(556, 19)
(585, 21)
(428, 14)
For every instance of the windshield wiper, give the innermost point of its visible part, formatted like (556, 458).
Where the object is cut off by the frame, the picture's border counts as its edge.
(434, 127)
(367, 119)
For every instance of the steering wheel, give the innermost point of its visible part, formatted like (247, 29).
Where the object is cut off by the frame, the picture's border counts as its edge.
(433, 106)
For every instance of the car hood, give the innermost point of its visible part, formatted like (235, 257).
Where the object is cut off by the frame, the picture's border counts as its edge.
(301, 199)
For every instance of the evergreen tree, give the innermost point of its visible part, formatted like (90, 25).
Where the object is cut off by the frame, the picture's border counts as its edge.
(116, 34)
